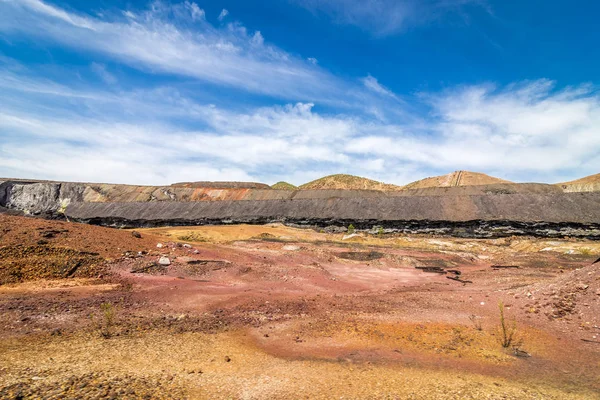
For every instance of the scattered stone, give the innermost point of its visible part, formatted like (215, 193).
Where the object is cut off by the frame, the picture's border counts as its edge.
(164, 261)
(520, 353)
(360, 255)
(187, 246)
(227, 359)
(291, 248)
(136, 234)
(159, 245)
(582, 286)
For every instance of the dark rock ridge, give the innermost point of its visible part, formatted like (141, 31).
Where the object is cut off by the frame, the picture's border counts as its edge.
(477, 211)
(576, 214)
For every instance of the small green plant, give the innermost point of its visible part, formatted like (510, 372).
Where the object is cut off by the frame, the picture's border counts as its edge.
(351, 229)
(107, 320)
(380, 231)
(508, 330)
(585, 251)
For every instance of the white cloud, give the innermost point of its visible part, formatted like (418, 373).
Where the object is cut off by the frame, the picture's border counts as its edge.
(313, 60)
(196, 12)
(479, 128)
(257, 39)
(373, 84)
(224, 13)
(101, 71)
(384, 17)
(523, 128)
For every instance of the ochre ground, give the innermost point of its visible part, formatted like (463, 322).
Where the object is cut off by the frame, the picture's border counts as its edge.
(271, 312)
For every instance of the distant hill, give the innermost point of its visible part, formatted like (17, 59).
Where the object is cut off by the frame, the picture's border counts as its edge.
(341, 181)
(457, 178)
(588, 184)
(284, 186)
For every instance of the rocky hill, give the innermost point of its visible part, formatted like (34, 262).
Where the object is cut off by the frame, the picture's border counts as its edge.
(457, 178)
(490, 210)
(347, 182)
(588, 184)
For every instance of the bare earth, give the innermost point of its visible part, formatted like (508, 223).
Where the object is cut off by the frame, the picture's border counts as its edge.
(271, 312)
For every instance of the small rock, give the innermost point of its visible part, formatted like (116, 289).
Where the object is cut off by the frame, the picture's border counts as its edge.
(187, 246)
(136, 234)
(353, 235)
(159, 245)
(290, 247)
(520, 353)
(164, 261)
(582, 286)
(227, 359)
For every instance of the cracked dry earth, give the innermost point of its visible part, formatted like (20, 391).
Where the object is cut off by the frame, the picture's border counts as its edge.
(271, 312)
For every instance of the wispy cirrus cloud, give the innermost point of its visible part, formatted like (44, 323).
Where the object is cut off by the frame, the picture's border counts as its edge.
(385, 17)
(62, 122)
(373, 84)
(161, 40)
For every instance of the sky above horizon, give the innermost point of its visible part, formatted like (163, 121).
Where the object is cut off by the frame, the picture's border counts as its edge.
(156, 92)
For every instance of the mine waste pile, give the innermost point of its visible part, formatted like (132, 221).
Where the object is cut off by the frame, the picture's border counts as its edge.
(475, 210)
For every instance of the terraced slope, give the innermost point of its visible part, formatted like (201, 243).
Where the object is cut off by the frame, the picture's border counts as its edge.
(347, 182)
(588, 184)
(456, 178)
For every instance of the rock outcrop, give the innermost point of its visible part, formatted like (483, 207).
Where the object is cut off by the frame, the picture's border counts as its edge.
(476, 211)
(588, 184)
(469, 216)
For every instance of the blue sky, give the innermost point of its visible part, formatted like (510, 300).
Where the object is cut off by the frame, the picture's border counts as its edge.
(394, 90)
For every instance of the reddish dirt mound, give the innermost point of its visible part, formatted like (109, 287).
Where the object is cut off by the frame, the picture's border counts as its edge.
(22, 263)
(107, 242)
(32, 248)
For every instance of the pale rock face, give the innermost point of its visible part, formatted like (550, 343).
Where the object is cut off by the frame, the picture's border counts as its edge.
(164, 261)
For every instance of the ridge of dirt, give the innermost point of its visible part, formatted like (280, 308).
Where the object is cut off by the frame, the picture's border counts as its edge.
(457, 178)
(347, 182)
(591, 179)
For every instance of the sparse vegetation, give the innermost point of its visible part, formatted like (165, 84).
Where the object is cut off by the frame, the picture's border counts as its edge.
(476, 321)
(508, 330)
(106, 321)
(351, 229)
(191, 237)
